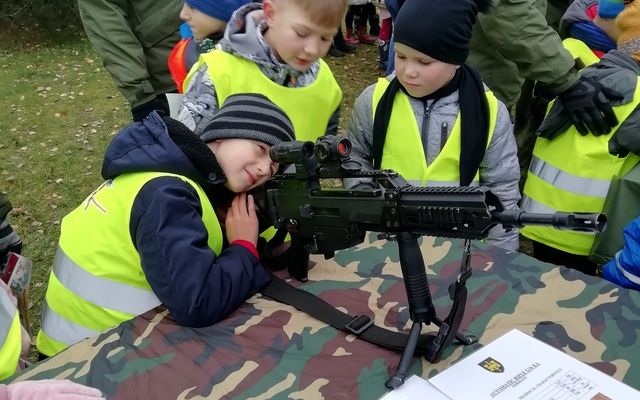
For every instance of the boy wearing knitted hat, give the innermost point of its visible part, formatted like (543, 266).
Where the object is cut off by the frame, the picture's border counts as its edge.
(206, 21)
(435, 122)
(153, 232)
(273, 48)
(579, 183)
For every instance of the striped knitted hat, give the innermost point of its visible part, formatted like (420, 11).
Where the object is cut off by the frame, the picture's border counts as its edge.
(250, 116)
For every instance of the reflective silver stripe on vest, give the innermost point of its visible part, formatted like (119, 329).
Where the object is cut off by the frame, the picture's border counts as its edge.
(431, 183)
(633, 278)
(102, 292)
(7, 314)
(566, 181)
(61, 329)
(531, 206)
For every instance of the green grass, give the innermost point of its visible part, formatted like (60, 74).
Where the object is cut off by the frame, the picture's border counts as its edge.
(58, 111)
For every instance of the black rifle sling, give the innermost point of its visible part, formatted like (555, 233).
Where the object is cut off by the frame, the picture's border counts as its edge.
(360, 325)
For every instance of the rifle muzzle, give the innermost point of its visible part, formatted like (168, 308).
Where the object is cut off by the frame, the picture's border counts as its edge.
(581, 222)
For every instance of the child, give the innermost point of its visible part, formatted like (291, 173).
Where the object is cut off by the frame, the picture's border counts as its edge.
(272, 48)
(206, 20)
(580, 182)
(593, 23)
(442, 126)
(9, 239)
(358, 14)
(153, 232)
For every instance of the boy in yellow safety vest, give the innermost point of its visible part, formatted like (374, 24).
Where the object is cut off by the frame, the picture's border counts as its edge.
(15, 343)
(435, 122)
(152, 233)
(275, 49)
(572, 172)
(206, 21)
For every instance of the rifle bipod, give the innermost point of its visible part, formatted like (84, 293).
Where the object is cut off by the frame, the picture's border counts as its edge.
(421, 308)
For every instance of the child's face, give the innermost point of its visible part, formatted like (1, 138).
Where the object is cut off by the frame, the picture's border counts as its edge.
(295, 39)
(201, 24)
(245, 162)
(420, 74)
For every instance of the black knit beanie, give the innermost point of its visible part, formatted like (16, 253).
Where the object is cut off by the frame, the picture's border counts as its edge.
(250, 116)
(438, 28)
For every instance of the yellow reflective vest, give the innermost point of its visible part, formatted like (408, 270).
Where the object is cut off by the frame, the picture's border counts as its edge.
(310, 107)
(572, 173)
(10, 336)
(580, 52)
(403, 151)
(97, 280)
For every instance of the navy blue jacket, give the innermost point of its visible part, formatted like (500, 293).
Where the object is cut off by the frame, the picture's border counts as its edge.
(624, 269)
(198, 286)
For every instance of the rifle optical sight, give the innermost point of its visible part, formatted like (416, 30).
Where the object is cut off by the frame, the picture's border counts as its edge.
(291, 152)
(332, 148)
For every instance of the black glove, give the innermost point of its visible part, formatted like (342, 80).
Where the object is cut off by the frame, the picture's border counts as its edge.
(616, 149)
(159, 103)
(587, 106)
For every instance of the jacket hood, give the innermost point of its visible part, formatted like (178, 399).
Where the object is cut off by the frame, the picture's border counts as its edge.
(243, 36)
(576, 12)
(161, 145)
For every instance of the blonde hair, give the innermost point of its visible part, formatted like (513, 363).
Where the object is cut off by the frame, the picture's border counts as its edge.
(327, 13)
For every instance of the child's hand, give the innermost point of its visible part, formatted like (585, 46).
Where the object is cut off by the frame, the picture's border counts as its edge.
(242, 222)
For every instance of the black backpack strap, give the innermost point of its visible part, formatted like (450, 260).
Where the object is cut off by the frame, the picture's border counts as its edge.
(359, 325)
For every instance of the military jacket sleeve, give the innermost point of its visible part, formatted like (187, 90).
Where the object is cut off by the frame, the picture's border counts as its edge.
(519, 32)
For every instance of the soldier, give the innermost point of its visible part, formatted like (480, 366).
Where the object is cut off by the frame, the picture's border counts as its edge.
(134, 39)
(512, 43)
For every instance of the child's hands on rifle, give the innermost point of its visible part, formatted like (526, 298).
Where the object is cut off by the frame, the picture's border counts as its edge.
(241, 222)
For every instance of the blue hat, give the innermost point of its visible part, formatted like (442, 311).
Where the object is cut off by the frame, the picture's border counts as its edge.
(610, 8)
(219, 9)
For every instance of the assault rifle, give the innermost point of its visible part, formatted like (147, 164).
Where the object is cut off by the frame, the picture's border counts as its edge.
(308, 200)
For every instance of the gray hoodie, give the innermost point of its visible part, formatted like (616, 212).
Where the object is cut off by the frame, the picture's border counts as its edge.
(499, 170)
(617, 71)
(243, 38)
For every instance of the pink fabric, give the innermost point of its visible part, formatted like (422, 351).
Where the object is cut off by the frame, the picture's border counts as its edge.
(4, 394)
(51, 389)
(248, 245)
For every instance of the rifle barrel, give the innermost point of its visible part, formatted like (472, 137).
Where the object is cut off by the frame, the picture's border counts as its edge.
(581, 222)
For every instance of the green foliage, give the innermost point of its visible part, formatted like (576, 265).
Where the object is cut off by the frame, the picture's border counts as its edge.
(47, 15)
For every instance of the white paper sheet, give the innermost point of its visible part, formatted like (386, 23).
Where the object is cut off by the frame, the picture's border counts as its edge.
(415, 388)
(519, 367)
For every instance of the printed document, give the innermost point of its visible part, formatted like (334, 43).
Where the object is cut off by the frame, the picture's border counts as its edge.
(517, 366)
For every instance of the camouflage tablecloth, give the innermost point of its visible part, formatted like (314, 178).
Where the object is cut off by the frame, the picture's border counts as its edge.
(267, 350)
